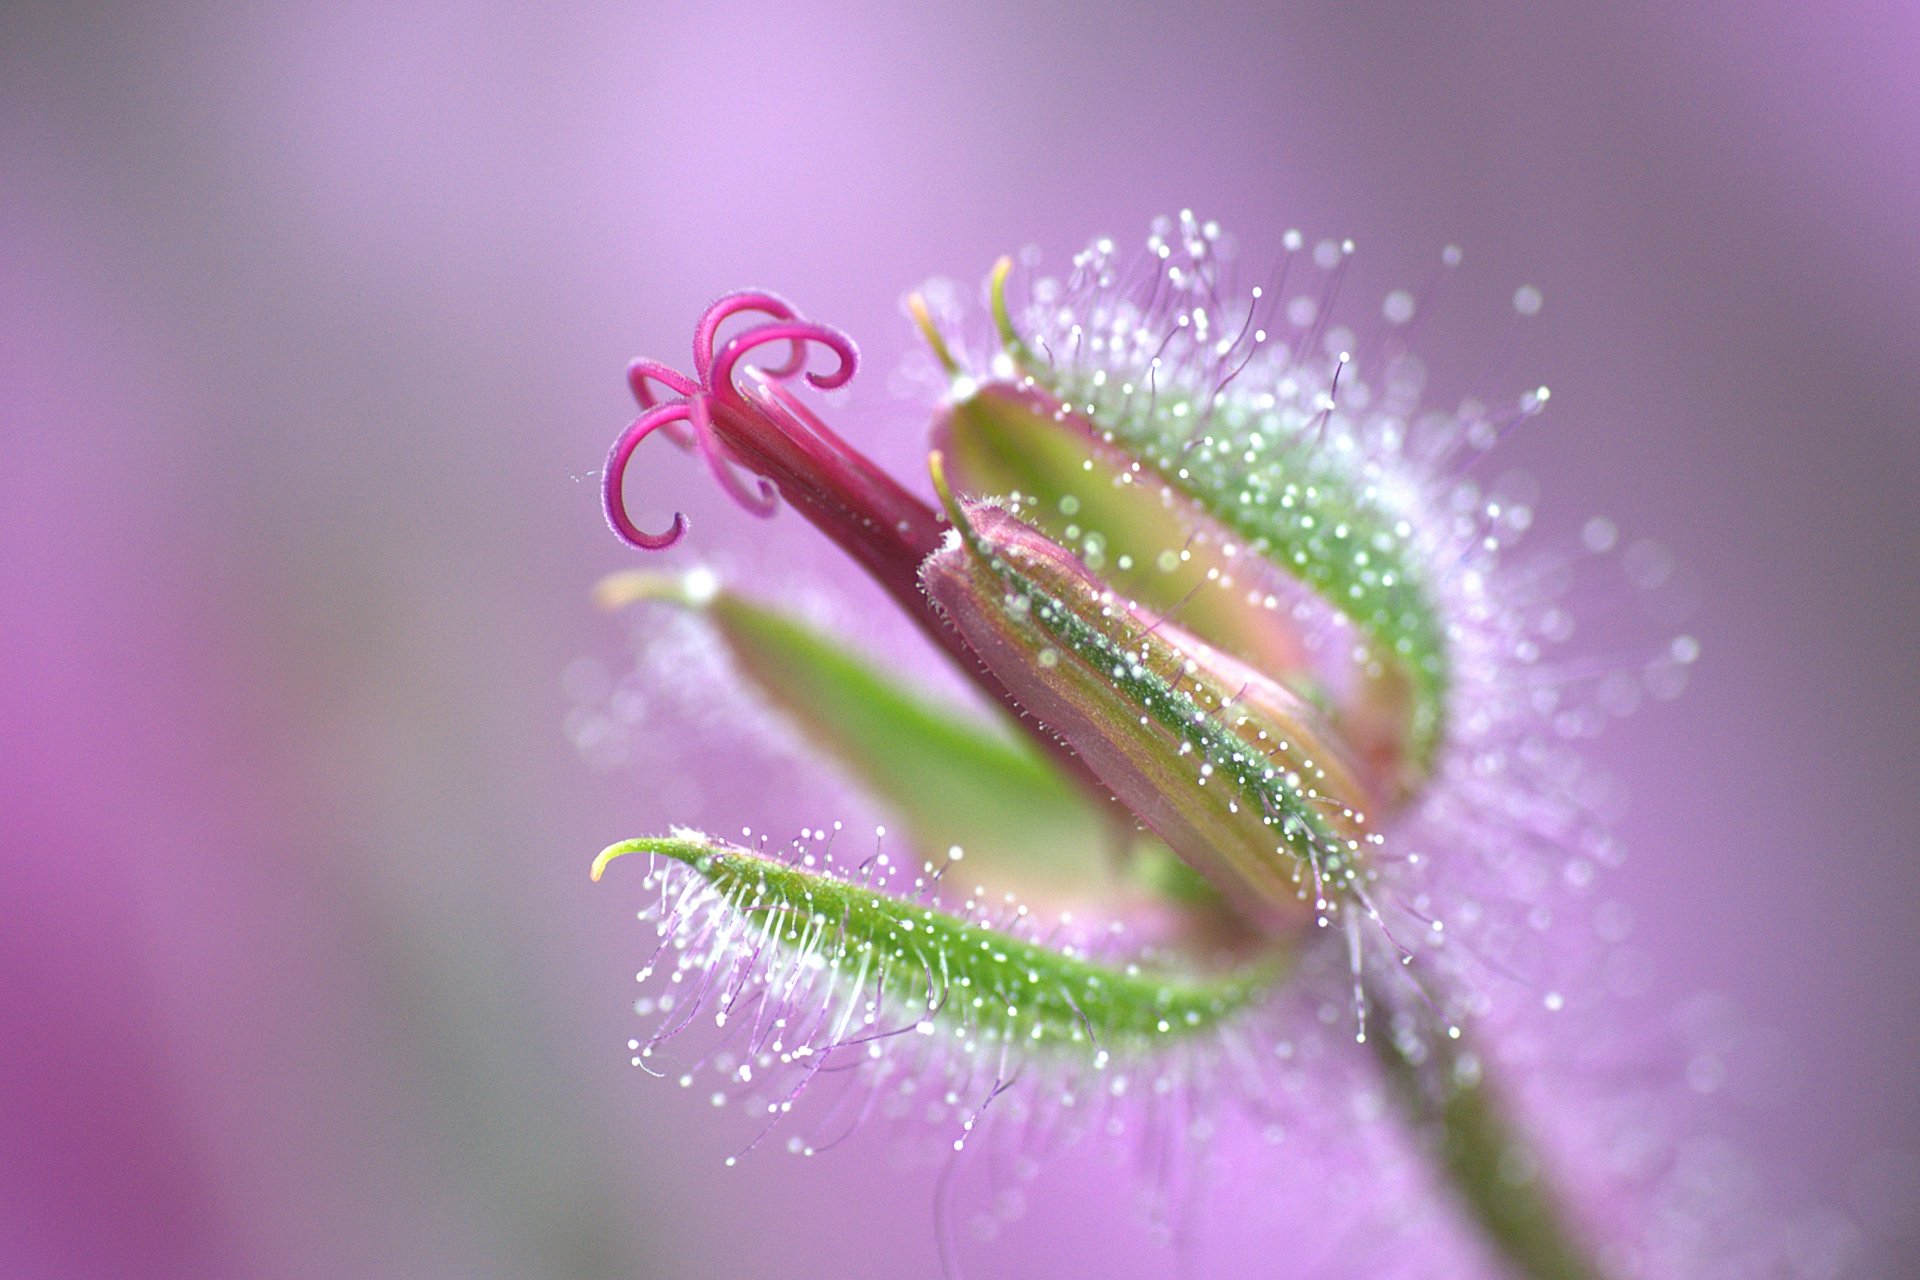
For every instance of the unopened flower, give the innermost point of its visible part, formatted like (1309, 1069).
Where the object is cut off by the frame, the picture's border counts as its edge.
(1282, 737)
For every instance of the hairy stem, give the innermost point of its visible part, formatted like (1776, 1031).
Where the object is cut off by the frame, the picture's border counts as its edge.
(1484, 1160)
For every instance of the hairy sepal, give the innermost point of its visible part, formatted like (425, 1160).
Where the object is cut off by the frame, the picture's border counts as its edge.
(982, 984)
(1149, 528)
(1152, 543)
(1131, 387)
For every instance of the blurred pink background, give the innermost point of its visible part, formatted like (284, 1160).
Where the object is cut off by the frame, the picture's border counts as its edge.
(312, 329)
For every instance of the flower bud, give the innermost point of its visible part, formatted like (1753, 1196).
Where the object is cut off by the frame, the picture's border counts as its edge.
(1185, 491)
(1234, 771)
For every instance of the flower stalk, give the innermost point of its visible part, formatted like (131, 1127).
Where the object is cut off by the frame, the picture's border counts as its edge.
(1458, 1113)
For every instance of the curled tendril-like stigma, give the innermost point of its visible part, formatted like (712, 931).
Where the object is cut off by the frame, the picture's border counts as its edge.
(707, 407)
(741, 302)
(674, 413)
(798, 332)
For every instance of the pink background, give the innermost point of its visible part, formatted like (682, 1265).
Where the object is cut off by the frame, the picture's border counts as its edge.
(312, 324)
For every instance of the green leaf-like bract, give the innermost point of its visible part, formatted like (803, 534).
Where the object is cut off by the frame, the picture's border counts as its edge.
(1262, 476)
(950, 778)
(993, 984)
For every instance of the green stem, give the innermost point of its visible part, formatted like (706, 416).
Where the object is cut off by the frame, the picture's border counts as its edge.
(1487, 1163)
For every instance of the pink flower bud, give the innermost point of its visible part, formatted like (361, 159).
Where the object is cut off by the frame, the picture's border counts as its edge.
(1235, 772)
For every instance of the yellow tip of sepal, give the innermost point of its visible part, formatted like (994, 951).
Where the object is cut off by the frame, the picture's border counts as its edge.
(1002, 318)
(611, 852)
(923, 319)
(695, 589)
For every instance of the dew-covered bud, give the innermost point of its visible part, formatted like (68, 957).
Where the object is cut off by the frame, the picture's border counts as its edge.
(1238, 774)
(1137, 448)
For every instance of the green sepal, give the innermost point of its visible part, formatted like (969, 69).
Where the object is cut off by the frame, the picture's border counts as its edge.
(988, 983)
(1131, 530)
(950, 780)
